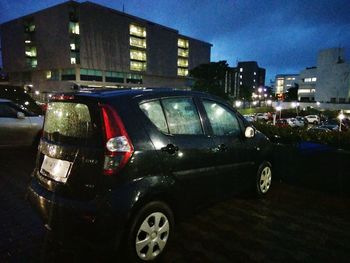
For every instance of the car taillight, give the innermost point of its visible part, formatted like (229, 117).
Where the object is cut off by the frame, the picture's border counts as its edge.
(119, 148)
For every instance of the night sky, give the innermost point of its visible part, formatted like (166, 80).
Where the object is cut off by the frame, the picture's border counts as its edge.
(282, 36)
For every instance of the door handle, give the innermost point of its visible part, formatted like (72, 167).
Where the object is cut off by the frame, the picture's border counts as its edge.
(170, 148)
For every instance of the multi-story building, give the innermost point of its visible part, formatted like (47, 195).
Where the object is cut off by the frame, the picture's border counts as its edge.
(283, 82)
(333, 76)
(91, 45)
(307, 84)
(247, 75)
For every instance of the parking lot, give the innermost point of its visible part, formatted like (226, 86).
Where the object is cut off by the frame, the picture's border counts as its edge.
(293, 224)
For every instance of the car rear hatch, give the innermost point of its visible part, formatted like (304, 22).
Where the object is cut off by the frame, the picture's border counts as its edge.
(71, 152)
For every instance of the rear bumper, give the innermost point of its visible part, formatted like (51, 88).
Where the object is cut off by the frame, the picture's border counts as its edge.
(66, 217)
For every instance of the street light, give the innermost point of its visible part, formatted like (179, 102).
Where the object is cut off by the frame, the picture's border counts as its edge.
(238, 103)
(279, 108)
(341, 116)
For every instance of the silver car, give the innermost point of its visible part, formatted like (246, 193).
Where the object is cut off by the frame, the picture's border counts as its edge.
(18, 127)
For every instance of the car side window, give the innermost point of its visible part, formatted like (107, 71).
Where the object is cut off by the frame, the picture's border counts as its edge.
(223, 121)
(182, 116)
(6, 111)
(154, 112)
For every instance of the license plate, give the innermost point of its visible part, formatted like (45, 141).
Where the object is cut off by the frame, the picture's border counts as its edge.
(55, 168)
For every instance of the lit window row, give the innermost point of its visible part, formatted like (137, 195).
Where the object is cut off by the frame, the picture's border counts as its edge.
(138, 55)
(182, 72)
(137, 31)
(30, 51)
(313, 79)
(138, 65)
(74, 28)
(182, 60)
(182, 43)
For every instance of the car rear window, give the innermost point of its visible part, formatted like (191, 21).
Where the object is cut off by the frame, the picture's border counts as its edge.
(64, 121)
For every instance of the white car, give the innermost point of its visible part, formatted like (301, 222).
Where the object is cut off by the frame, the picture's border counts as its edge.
(262, 116)
(314, 119)
(18, 127)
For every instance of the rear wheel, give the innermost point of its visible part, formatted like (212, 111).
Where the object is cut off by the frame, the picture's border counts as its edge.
(264, 179)
(149, 232)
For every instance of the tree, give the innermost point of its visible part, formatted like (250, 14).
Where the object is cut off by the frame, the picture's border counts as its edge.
(211, 78)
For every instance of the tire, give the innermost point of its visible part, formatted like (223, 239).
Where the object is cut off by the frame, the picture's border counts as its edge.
(151, 227)
(263, 179)
(315, 122)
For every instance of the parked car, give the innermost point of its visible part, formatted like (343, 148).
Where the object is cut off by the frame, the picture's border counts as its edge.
(262, 116)
(292, 122)
(314, 119)
(326, 127)
(129, 162)
(282, 123)
(18, 127)
(249, 118)
(301, 121)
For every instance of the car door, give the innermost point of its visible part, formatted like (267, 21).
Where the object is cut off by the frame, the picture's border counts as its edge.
(233, 160)
(13, 130)
(183, 146)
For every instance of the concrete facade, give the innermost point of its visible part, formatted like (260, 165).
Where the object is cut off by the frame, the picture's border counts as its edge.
(333, 82)
(42, 55)
(307, 84)
(283, 82)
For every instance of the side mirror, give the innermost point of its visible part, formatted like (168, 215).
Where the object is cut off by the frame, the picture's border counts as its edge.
(20, 115)
(249, 132)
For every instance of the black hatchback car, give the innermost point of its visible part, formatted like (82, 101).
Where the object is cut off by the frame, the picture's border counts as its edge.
(127, 163)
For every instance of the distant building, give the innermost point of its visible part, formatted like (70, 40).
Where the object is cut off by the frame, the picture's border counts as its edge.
(283, 82)
(333, 76)
(247, 75)
(91, 45)
(307, 84)
(329, 81)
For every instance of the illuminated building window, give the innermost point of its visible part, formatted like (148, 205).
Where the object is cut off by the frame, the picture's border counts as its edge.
(137, 42)
(138, 55)
(30, 51)
(73, 46)
(240, 76)
(240, 83)
(68, 74)
(182, 52)
(112, 76)
(182, 43)
(134, 78)
(313, 79)
(52, 75)
(254, 73)
(90, 75)
(73, 60)
(74, 28)
(240, 69)
(182, 72)
(48, 74)
(182, 62)
(137, 31)
(138, 65)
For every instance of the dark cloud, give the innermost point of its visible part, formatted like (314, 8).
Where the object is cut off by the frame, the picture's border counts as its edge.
(283, 36)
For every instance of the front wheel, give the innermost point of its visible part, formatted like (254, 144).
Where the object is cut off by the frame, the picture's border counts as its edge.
(149, 232)
(263, 179)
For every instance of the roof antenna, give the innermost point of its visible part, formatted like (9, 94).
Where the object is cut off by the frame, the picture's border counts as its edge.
(123, 8)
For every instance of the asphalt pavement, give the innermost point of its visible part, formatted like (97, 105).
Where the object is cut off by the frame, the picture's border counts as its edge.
(293, 224)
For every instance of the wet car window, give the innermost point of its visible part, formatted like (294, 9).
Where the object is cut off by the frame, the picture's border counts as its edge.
(182, 116)
(222, 121)
(68, 119)
(154, 112)
(6, 111)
